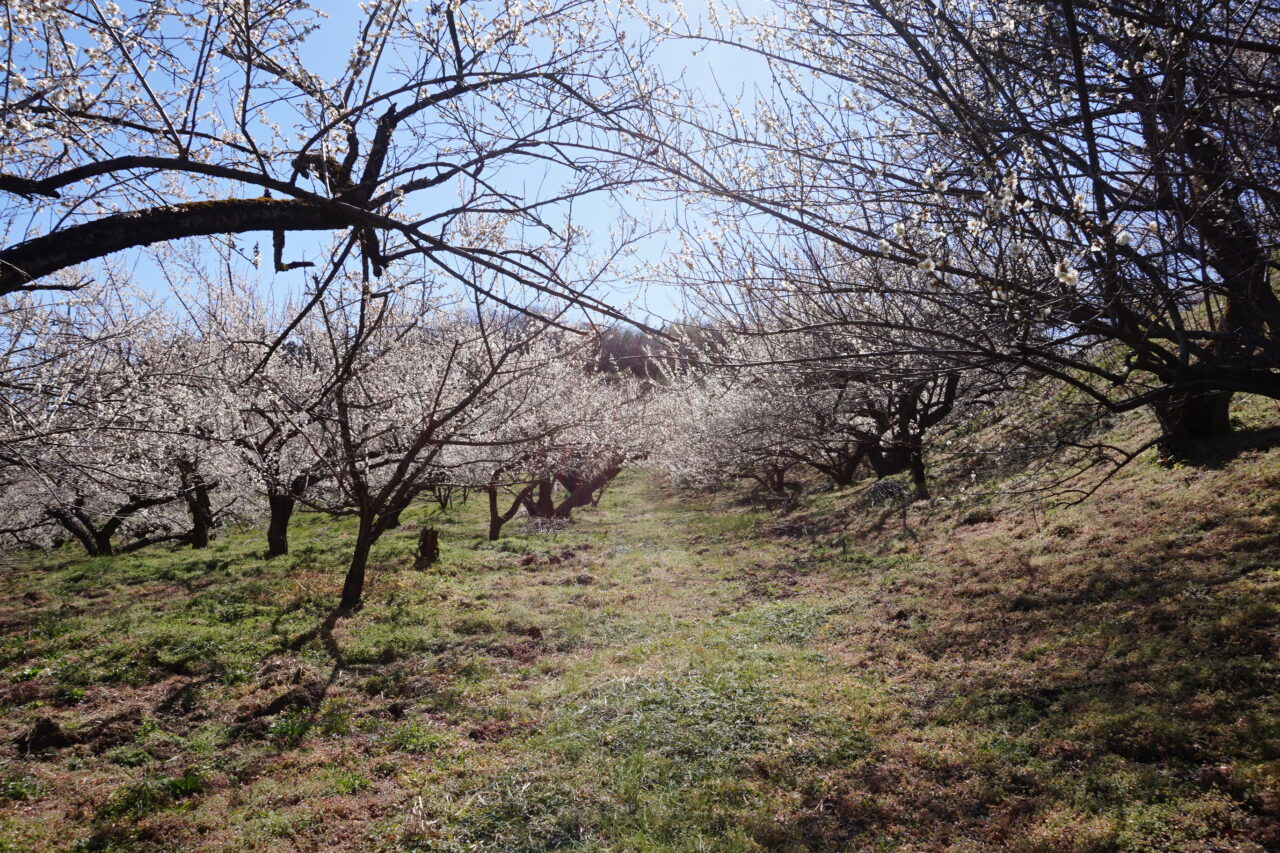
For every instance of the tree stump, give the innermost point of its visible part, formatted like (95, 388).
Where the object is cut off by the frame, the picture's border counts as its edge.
(428, 548)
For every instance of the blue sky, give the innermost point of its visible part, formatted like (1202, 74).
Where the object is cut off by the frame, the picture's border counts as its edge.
(708, 70)
(712, 71)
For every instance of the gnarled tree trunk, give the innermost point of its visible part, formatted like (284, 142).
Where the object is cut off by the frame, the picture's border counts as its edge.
(841, 467)
(543, 505)
(887, 461)
(83, 534)
(353, 584)
(581, 490)
(281, 508)
(1190, 419)
(200, 508)
(497, 517)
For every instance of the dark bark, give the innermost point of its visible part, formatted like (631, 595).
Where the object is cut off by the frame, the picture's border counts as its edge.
(916, 410)
(495, 518)
(444, 495)
(147, 541)
(428, 548)
(200, 508)
(1189, 420)
(498, 518)
(40, 256)
(97, 540)
(546, 498)
(775, 477)
(772, 478)
(543, 505)
(845, 470)
(840, 465)
(580, 490)
(281, 507)
(918, 473)
(82, 534)
(105, 547)
(373, 523)
(353, 584)
(887, 461)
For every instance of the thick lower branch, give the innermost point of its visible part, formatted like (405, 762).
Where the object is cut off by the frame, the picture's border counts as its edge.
(26, 262)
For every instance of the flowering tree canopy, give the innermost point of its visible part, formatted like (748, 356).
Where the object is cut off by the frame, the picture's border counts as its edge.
(155, 121)
(1105, 171)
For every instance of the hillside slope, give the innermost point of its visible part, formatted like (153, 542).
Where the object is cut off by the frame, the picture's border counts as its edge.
(670, 673)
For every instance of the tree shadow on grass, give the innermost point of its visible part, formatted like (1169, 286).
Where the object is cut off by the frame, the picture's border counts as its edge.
(1122, 674)
(1218, 453)
(325, 632)
(1151, 666)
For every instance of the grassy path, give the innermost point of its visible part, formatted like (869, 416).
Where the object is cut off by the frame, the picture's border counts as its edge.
(661, 675)
(601, 686)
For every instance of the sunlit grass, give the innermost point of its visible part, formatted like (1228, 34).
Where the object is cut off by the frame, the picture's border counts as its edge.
(669, 673)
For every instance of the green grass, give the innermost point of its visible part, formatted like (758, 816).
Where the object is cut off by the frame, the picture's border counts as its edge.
(670, 673)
